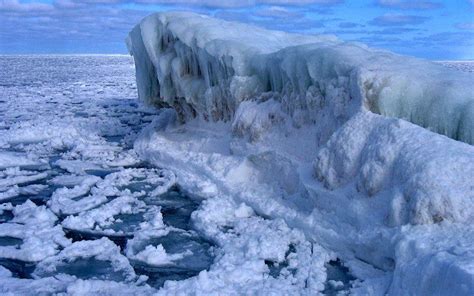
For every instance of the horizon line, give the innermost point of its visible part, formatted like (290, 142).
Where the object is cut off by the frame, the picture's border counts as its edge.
(128, 55)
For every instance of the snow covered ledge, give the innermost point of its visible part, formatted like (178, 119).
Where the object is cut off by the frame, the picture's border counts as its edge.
(287, 124)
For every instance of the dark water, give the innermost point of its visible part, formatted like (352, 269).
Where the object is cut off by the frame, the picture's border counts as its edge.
(336, 271)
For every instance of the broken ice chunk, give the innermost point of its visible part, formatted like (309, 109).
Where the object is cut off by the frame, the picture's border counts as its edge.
(98, 259)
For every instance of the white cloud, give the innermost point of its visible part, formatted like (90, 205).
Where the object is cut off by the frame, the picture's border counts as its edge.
(409, 4)
(398, 20)
(17, 6)
(278, 12)
(465, 26)
(238, 3)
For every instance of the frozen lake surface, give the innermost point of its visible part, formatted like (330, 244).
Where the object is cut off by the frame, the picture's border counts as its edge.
(76, 200)
(81, 212)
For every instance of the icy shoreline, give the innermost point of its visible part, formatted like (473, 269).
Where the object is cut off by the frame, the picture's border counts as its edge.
(290, 133)
(80, 207)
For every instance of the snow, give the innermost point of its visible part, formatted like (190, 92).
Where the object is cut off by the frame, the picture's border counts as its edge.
(157, 256)
(443, 253)
(343, 144)
(421, 177)
(465, 66)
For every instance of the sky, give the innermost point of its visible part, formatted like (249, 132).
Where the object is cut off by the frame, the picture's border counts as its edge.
(436, 30)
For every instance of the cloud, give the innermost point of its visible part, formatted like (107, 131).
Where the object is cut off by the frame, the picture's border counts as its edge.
(449, 38)
(300, 2)
(239, 3)
(17, 6)
(465, 26)
(64, 26)
(349, 25)
(409, 5)
(368, 33)
(394, 31)
(296, 23)
(101, 25)
(278, 12)
(86, 25)
(398, 20)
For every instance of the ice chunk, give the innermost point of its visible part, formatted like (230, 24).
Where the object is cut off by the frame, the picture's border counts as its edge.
(94, 191)
(17, 185)
(157, 256)
(74, 200)
(14, 176)
(15, 159)
(175, 249)
(99, 259)
(119, 217)
(37, 235)
(99, 287)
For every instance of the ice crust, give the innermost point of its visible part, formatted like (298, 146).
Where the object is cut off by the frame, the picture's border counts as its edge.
(343, 142)
(207, 67)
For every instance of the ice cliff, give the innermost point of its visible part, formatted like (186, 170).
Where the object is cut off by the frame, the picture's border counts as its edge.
(356, 146)
(207, 67)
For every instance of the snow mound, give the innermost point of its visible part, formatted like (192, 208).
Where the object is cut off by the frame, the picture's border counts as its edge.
(421, 181)
(207, 67)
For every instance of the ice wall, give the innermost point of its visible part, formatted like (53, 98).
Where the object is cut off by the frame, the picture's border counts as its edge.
(206, 67)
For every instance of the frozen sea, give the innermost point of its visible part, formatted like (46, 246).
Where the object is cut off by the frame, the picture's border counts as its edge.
(80, 212)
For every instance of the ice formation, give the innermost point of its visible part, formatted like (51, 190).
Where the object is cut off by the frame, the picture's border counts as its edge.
(207, 67)
(344, 142)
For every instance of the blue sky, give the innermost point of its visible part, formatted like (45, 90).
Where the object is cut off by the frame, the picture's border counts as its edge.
(441, 30)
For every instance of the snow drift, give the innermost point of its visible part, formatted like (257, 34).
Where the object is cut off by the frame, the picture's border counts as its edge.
(345, 142)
